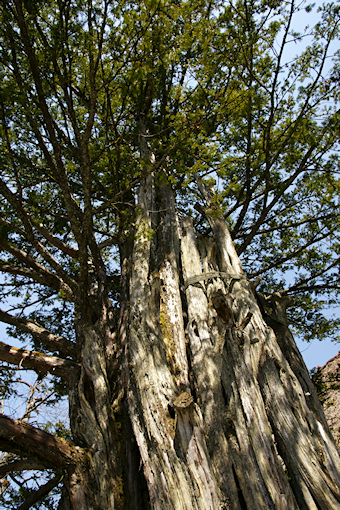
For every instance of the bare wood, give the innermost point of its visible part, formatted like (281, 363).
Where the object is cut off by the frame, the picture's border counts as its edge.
(178, 477)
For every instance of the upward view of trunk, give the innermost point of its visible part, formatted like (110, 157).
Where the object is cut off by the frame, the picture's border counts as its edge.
(221, 406)
(185, 387)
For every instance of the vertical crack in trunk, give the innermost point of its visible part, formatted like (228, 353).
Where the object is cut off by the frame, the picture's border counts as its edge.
(158, 363)
(246, 438)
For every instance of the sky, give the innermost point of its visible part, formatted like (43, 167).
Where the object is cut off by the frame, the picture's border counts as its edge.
(317, 353)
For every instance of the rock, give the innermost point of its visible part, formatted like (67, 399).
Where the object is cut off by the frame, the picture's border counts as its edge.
(327, 383)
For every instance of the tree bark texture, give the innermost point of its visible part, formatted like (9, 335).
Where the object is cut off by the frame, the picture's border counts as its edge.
(191, 395)
(221, 405)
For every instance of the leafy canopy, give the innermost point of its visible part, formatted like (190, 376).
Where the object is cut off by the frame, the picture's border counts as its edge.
(224, 98)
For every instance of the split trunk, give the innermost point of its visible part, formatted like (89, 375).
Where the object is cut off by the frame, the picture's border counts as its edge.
(196, 396)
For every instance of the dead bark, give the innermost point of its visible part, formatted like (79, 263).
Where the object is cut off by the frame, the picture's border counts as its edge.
(194, 396)
(91, 421)
(206, 391)
(243, 434)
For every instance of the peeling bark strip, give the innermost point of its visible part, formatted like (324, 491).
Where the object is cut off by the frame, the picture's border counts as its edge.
(210, 275)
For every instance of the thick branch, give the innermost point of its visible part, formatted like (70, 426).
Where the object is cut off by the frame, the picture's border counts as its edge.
(20, 465)
(37, 361)
(50, 340)
(28, 441)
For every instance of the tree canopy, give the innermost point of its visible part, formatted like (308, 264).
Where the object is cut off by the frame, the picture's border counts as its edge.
(231, 104)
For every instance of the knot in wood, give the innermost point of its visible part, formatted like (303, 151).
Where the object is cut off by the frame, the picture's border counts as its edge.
(183, 401)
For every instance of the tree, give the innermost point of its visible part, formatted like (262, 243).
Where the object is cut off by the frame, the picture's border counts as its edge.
(147, 148)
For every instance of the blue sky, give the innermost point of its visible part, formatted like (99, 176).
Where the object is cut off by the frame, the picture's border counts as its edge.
(317, 353)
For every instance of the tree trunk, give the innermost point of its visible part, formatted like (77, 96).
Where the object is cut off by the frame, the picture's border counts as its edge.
(196, 396)
(221, 405)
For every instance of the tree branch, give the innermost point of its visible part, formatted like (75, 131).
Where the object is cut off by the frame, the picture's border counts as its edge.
(20, 465)
(46, 280)
(290, 255)
(287, 226)
(50, 340)
(277, 197)
(57, 167)
(303, 284)
(40, 493)
(37, 361)
(29, 261)
(28, 441)
(29, 235)
(58, 243)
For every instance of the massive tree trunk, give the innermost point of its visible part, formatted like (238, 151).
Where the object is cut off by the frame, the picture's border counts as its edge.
(220, 402)
(192, 394)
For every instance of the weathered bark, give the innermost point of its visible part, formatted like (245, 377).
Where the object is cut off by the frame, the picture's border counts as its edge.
(222, 415)
(171, 441)
(244, 429)
(193, 395)
(91, 416)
